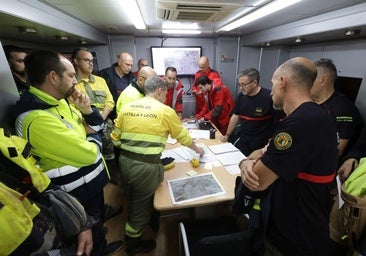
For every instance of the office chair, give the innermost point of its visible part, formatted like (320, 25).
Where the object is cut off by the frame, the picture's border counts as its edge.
(214, 237)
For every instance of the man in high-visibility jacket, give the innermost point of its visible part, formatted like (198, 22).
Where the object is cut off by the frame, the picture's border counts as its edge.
(135, 90)
(141, 130)
(64, 139)
(97, 90)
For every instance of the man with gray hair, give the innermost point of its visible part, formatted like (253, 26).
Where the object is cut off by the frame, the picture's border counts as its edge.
(141, 147)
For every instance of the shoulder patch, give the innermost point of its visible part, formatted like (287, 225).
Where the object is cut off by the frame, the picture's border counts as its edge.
(282, 141)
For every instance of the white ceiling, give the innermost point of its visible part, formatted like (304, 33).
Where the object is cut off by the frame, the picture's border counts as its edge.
(93, 20)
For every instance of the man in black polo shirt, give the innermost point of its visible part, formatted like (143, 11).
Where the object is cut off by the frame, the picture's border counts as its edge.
(341, 108)
(297, 166)
(254, 111)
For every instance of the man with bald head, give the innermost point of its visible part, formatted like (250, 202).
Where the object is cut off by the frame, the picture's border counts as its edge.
(204, 70)
(119, 75)
(296, 168)
(135, 90)
(140, 64)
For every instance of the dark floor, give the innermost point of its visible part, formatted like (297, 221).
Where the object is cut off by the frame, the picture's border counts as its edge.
(168, 236)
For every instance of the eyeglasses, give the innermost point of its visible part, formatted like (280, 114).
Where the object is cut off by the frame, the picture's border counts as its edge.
(86, 60)
(243, 85)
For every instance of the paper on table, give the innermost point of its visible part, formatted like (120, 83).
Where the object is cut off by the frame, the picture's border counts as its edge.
(208, 157)
(233, 169)
(194, 188)
(230, 158)
(184, 152)
(170, 140)
(171, 153)
(200, 134)
(223, 148)
(190, 125)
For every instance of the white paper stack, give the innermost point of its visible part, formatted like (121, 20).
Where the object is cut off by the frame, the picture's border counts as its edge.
(229, 156)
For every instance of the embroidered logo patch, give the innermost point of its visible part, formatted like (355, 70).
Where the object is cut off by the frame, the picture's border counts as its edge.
(282, 141)
(258, 110)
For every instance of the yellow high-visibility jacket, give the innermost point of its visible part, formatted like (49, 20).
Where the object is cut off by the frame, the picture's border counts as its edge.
(144, 125)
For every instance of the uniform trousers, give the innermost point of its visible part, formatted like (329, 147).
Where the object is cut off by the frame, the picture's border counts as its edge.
(94, 206)
(140, 180)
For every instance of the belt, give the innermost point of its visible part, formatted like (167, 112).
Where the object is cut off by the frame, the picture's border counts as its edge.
(151, 159)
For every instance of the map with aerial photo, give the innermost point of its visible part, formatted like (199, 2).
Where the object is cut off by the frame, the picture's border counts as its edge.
(184, 59)
(194, 188)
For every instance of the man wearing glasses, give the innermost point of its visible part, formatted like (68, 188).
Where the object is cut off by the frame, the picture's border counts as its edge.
(97, 90)
(100, 97)
(254, 109)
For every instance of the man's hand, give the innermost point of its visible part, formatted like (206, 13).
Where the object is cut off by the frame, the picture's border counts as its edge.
(248, 177)
(85, 243)
(224, 138)
(347, 167)
(200, 151)
(81, 101)
(201, 120)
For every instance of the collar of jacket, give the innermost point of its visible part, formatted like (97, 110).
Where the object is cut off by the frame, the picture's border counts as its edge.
(134, 84)
(91, 78)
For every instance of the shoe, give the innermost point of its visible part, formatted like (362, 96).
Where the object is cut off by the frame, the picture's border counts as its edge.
(110, 211)
(155, 221)
(135, 245)
(113, 247)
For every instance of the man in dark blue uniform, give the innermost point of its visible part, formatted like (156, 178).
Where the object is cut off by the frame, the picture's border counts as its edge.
(297, 166)
(118, 76)
(254, 109)
(341, 109)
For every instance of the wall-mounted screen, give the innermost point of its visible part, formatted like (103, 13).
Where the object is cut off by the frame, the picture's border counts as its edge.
(184, 59)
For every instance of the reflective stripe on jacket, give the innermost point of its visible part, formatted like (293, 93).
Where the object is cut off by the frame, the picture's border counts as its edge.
(59, 139)
(143, 127)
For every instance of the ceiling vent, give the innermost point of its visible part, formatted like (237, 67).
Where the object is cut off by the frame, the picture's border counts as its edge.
(199, 7)
(199, 10)
(198, 16)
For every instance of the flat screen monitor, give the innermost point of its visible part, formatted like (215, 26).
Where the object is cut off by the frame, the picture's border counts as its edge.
(184, 59)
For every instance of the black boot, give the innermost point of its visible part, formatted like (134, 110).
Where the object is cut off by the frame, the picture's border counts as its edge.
(135, 245)
(155, 221)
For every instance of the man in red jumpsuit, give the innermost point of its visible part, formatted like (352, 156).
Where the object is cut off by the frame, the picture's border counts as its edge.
(204, 70)
(218, 103)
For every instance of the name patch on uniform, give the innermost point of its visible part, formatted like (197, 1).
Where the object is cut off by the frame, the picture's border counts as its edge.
(282, 141)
